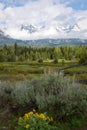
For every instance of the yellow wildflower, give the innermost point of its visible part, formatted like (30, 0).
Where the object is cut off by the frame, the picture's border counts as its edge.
(30, 113)
(19, 120)
(26, 117)
(42, 116)
(27, 126)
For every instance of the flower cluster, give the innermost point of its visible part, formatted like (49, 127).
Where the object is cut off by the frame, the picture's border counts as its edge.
(31, 118)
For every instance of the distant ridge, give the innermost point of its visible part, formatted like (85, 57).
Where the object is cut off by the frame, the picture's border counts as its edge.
(42, 42)
(6, 40)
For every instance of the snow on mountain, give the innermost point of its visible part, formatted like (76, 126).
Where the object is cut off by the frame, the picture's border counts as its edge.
(7, 40)
(68, 29)
(32, 32)
(50, 29)
(30, 28)
(76, 27)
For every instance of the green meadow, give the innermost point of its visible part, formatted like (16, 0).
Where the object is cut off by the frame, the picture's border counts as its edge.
(17, 71)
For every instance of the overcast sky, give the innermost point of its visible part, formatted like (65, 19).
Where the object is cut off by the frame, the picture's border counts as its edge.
(43, 13)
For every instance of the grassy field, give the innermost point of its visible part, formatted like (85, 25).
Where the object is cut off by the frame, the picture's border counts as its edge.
(17, 71)
(80, 73)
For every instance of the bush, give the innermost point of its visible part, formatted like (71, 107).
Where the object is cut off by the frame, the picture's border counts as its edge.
(6, 89)
(24, 94)
(55, 94)
(61, 96)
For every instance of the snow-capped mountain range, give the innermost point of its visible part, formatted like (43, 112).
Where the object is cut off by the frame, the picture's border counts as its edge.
(32, 28)
(54, 31)
(32, 32)
(52, 35)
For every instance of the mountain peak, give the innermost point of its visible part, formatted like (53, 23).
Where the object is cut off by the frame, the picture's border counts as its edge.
(68, 29)
(30, 28)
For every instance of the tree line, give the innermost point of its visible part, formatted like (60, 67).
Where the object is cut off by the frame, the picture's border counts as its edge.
(16, 53)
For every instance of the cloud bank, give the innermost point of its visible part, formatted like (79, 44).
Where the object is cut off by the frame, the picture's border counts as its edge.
(46, 15)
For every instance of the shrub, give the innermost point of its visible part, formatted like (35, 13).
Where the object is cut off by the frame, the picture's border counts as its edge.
(61, 96)
(6, 89)
(55, 94)
(24, 95)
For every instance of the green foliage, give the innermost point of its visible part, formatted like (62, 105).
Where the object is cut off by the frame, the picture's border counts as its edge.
(61, 96)
(81, 53)
(24, 93)
(57, 95)
(11, 58)
(6, 89)
(21, 58)
(63, 61)
(23, 53)
(83, 59)
(55, 61)
(40, 60)
(33, 120)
